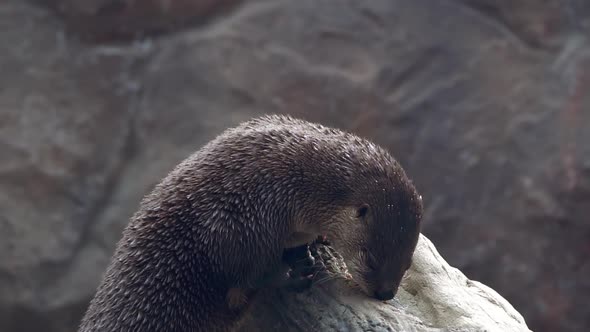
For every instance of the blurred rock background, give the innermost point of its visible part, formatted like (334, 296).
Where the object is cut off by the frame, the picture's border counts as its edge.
(485, 102)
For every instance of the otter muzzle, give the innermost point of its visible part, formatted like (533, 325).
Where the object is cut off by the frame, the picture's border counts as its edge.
(384, 295)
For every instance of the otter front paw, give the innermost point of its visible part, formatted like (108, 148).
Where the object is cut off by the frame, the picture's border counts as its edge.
(298, 268)
(300, 260)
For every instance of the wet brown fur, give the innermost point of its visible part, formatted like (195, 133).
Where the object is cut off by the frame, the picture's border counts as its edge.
(206, 236)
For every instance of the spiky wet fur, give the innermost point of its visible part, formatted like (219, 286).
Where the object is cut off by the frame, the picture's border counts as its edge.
(220, 220)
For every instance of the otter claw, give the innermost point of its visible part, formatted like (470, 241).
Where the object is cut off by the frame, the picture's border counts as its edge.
(300, 260)
(302, 266)
(293, 256)
(307, 271)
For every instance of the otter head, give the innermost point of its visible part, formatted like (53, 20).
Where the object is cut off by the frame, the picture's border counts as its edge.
(376, 234)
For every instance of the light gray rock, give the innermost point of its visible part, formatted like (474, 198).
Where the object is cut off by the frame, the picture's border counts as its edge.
(443, 297)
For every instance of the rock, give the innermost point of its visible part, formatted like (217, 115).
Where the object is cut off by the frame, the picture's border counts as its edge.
(57, 167)
(539, 25)
(102, 20)
(433, 297)
(486, 114)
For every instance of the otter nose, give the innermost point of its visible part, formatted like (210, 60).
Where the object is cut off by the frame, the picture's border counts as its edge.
(384, 295)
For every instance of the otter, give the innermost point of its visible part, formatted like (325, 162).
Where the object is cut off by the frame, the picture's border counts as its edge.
(216, 228)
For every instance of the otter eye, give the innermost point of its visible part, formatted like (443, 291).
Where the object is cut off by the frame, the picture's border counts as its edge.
(362, 211)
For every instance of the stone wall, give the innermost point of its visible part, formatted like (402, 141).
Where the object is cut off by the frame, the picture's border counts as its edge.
(484, 102)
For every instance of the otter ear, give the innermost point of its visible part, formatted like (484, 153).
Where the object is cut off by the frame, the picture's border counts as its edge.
(362, 211)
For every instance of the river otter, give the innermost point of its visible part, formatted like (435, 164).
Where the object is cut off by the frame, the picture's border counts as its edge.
(212, 232)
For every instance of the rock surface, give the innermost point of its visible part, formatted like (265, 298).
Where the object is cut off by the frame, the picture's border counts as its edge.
(433, 297)
(483, 102)
(99, 20)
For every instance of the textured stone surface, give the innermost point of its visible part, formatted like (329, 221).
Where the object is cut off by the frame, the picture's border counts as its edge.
(100, 20)
(487, 112)
(57, 166)
(433, 297)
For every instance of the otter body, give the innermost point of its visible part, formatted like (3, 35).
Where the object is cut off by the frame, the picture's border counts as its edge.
(214, 229)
